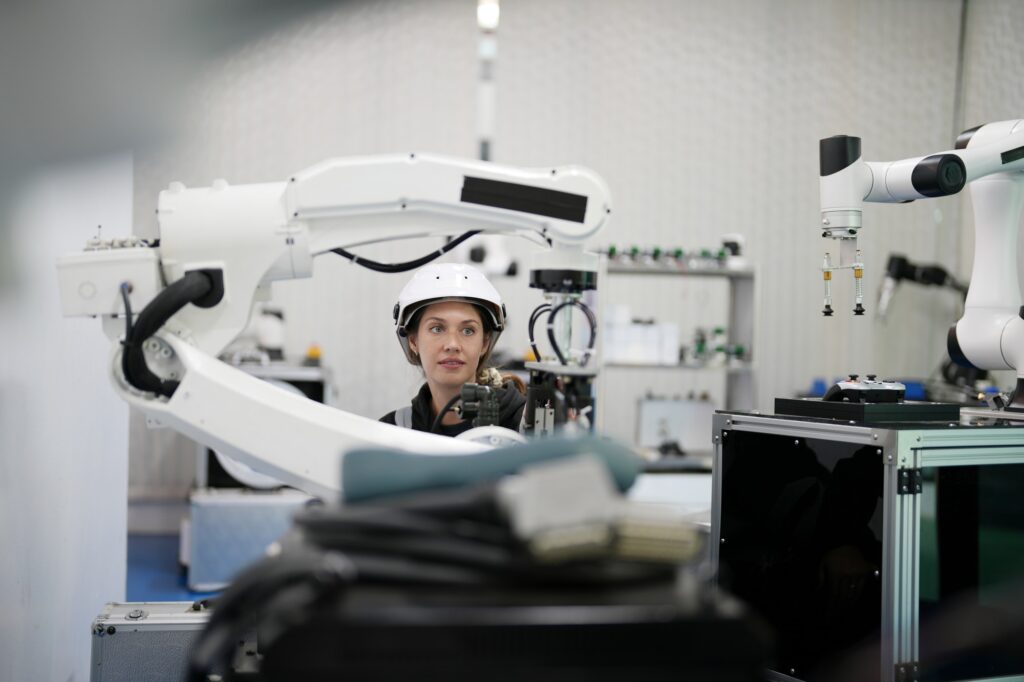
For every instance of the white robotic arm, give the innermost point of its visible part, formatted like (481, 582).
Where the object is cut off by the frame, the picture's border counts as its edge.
(847, 181)
(221, 246)
(990, 335)
(260, 233)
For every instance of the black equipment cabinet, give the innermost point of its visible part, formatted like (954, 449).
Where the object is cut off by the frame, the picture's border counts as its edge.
(876, 552)
(384, 633)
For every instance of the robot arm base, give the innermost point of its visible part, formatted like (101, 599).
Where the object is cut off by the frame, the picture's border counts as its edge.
(989, 339)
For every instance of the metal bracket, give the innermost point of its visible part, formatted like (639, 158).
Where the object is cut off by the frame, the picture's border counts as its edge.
(907, 672)
(909, 482)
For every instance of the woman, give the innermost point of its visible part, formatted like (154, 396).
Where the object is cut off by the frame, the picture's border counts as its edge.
(448, 319)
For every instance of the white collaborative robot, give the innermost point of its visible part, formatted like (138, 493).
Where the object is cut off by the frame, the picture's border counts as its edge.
(990, 335)
(173, 305)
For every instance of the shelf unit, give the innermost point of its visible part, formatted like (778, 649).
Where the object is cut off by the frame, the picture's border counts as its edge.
(745, 367)
(665, 268)
(739, 380)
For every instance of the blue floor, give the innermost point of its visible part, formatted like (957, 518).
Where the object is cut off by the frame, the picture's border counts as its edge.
(154, 573)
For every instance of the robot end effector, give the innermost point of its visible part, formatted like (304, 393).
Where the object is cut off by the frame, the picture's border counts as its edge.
(995, 150)
(847, 181)
(900, 269)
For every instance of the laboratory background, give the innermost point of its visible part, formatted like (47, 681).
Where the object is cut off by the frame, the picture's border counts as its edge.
(705, 124)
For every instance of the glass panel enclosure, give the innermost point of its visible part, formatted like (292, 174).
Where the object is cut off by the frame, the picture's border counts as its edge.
(972, 572)
(801, 529)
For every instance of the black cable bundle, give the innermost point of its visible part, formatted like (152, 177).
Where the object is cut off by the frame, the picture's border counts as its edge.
(455, 539)
(449, 406)
(271, 594)
(408, 265)
(194, 286)
(534, 316)
(591, 319)
(552, 312)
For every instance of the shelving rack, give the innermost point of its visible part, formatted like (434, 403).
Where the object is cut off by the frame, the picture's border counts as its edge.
(740, 380)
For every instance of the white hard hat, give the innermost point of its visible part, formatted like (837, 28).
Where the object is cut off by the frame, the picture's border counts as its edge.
(448, 282)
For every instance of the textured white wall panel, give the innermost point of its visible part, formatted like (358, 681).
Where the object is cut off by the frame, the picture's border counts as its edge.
(993, 61)
(993, 67)
(705, 119)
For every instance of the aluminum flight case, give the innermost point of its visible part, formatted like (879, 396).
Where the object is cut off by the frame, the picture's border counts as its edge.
(876, 551)
(144, 641)
(152, 641)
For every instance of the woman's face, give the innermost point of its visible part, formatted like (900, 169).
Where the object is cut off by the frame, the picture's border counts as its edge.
(450, 340)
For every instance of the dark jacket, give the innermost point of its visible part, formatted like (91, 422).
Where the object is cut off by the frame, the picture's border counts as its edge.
(510, 400)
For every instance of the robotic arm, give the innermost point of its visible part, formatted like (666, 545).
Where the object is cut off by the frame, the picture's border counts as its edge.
(220, 247)
(899, 269)
(990, 335)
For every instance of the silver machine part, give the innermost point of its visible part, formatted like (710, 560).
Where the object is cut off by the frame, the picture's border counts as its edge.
(145, 641)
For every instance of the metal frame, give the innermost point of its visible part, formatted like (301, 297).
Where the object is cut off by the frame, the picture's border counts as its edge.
(901, 449)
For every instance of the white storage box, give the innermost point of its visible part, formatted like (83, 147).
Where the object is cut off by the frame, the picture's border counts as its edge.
(232, 528)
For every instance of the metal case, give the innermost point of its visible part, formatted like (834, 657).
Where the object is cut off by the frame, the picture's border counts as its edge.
(144, 641)
(775, 494)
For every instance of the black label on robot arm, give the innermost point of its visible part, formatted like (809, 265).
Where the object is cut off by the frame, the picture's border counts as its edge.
(524, 198)
(837, 152)
(964, 138)
(1012, 155)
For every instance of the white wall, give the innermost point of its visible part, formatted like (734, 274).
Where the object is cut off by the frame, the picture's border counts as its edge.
(704, 117)
(63, 432)
(993, 61)
(993, 64)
